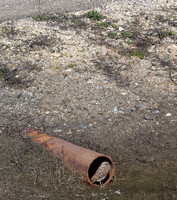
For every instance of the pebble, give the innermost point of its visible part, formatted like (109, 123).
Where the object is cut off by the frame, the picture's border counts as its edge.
(120, 111)
(17, 76)
(97, 108)
(150, 33)
(168, 114)
(140, 106)
(149, 117)
(124, 93)
(83, 125)
(90, 81)
(118, 192)
(133, 109)
(157, 111)
(121, 28)
(29, 94)
(115, 110)
(58, 131)
(18, 96)
(47, 112)
(69, 70)
(152, 47)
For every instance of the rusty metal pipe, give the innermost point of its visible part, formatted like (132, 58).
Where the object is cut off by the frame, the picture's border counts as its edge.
(84, 161)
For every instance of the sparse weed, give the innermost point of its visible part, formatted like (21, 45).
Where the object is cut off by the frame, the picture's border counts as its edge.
(76, 21)
(139, 54)
(164, 33)
(79, 23)
(113, 35)
(127, 34)
(1, 74)
(45, 18)
(71, 65)
(171, 33)
(83, 61)
(41, 40)
(114, 26)
(8, 30)
(99, 66)
(135, 22)
(131, 42)
(102, 24)
(95, 15)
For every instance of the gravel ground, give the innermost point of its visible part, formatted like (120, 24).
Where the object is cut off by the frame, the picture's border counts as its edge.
(108, 84)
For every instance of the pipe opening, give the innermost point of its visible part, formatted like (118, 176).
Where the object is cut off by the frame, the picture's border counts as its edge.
(99, 170)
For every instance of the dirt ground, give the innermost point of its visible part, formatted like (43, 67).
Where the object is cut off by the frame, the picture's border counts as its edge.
(104, 81)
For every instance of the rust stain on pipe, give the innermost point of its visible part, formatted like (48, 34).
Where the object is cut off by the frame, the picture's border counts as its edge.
(84, 161)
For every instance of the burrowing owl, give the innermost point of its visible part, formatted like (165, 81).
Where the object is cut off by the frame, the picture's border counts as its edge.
(101, 172)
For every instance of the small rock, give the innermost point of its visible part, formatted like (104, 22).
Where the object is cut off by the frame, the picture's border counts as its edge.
(29, 94)
(169, 50)
(12, 61)
(149, 117)
(120, 111)
(140, 106)
(18, 96)
(152, 47)
(118, 192)
(124, 93)
(58, 131)
(150, 33)
(47, 112)
(115, 110)
(133, 109)
(90, 81)
(121, 28)
(53, 51)
(33, 99)
(83, 125)
(17, 76)
(69, 70)
(157, 111)
(168, 114)
(97, 108)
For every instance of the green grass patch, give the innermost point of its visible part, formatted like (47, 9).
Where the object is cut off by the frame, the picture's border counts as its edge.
(76, 21)
(139, 54)
(131, 42)
(102, 24)
(135, 22)
(114, 26)
(127, 34)
(83, 61)
(71, 65)
(95, 15)
(45, 18)
(171, 33)
(113, 35)
(8, 30)
(1, 75)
